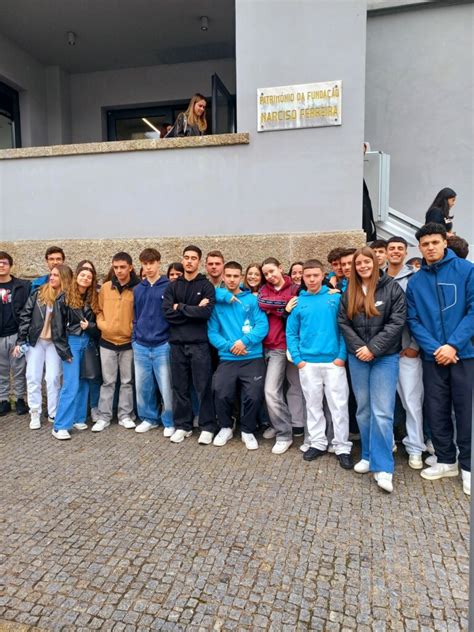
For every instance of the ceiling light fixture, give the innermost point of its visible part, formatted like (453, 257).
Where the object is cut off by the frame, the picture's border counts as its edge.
(71, 38)
(204, 23)
(145, 120)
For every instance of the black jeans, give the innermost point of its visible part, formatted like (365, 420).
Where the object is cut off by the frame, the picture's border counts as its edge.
(249, 375)
(191, 363)
(448, 387)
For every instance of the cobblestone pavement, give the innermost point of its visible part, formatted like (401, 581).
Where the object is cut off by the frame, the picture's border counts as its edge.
(120, 531)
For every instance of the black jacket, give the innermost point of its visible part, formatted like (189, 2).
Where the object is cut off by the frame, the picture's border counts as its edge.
(20, 293)
(66, 322)
(31, 320)
(188, 323)
(381, 334)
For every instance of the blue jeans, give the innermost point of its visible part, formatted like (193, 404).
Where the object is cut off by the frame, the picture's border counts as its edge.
(149, 362)
(375, 387)
(74, 395)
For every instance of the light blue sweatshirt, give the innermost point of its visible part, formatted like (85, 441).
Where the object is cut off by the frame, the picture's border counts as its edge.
(238, 320)
(312, 332)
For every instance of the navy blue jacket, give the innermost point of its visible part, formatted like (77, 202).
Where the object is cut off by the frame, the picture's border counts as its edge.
(150, 328)
(440, 301)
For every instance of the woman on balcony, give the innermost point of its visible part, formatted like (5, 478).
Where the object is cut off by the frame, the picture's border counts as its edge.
(192, 122)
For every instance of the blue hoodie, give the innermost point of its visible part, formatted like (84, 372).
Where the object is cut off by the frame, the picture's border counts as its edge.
(238, 320)
(150, 328)
(440, 299)
(312, 332)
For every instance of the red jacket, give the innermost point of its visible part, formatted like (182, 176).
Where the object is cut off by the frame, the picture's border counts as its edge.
(273, 303)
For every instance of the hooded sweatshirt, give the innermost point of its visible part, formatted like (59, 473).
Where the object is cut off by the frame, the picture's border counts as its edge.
(188, 323)
(150, 327)
(273, 303)
(312, 332)
(402, 279)
(440, 299)
(238, 320)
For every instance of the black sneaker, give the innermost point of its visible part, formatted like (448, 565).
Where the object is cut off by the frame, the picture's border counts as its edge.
(298, 431)
(345, 461)
(5, 407)
(313, 453)
(21, 407)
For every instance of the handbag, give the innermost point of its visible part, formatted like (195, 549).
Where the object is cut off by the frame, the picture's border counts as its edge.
(90, 363)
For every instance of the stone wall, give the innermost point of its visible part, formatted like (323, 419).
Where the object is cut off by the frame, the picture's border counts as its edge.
(29, 261)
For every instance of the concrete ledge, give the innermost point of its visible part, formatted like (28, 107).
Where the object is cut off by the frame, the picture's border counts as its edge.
(213, 140)
(286, 247)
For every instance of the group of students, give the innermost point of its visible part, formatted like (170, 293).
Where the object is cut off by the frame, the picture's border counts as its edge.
(309, 352)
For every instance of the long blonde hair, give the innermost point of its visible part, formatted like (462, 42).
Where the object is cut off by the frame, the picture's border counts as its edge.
(46, 294)
(359, 301)
(196, 121)
(76, 300)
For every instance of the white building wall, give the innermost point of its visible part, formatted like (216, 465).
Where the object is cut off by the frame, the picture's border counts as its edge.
(419, 106)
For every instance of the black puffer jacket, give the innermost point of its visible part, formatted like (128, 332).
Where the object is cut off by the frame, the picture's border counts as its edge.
(31, 320)
(381, 334)
(66, 322)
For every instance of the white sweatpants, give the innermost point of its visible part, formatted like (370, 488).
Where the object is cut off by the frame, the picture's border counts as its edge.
(43, 354)
(319, 379)
(410, 390)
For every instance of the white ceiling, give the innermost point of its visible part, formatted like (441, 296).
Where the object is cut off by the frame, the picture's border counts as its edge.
(119, 33)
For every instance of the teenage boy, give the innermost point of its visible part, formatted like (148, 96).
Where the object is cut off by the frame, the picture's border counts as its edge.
(151, 351)
(54, 256)
(318, 350)
(346, 264)
(379, 246)
(236, 329)
(13, 296)
(215, 267)
(336, 277)
(188, 303)
(440, 300)
(114, 320)
(410, 376)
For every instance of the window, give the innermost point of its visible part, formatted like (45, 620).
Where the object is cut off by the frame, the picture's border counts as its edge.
(10, 136)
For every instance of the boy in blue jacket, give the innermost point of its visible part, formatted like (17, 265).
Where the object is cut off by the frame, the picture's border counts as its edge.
(236, 329)
(440, 299)
(317, 348)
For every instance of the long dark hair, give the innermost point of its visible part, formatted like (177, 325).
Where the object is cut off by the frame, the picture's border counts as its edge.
(441, 201)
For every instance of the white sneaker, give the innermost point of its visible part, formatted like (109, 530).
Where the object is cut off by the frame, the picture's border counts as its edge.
(128, 423)
(224, 435)
(440, 470)
(269, 433)
(415, 461)
(431, 460)
(61, 434)
(466, 482)
(80, 426)
(250, 442)
(168, 432)
(304, 447)
(384, 481)
(180, 435)
(362, 467)
(145, 426)
(205, 438)
(35, 420)
(281, 447)
(430, 447)
(100, 425)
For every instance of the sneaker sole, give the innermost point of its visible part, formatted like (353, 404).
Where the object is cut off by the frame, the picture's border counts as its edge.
(181, 440)
(438, 476)
(415, 466)
(250, 447)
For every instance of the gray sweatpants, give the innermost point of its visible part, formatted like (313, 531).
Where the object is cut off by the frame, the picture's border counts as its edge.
(111, 361)
(17, 367)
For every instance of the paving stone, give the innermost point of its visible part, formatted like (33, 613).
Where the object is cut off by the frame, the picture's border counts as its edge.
(208, 539)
